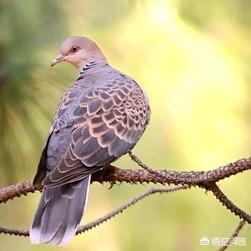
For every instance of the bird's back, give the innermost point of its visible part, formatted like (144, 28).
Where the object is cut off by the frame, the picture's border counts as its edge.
(100, 117)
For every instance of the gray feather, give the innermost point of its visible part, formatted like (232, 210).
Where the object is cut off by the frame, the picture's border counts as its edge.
(100, 117)
(59, 213)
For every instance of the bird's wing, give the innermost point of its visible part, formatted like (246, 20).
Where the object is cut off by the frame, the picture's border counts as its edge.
(107, 122)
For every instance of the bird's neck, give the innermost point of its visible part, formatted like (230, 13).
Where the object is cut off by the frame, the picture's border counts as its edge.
(91, 64)
(90, 67)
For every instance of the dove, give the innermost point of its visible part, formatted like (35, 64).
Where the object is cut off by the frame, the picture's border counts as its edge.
(100, 117)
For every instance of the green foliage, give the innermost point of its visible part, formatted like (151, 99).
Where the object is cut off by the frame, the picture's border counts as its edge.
(27, 28)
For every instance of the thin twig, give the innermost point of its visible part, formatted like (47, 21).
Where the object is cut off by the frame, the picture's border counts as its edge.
(111, 174)
(12, 231)
(235, 234)
(106, 217)
(210, 186)
(130, 203)
(228, 203)
(199, 177)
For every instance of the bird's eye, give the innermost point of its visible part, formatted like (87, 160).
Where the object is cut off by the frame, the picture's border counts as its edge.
(74, 49)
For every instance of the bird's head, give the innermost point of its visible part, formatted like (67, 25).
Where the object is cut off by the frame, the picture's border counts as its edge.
(78, 51)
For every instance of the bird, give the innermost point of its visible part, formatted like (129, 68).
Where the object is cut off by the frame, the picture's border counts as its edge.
(100, 117)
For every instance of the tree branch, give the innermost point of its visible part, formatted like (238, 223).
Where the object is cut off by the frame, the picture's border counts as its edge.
(114, 175)
(198, 178)
(106, 217)
(228, 203)
(202, 179)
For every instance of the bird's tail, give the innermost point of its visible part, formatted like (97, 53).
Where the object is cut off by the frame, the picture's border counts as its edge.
(59, 213)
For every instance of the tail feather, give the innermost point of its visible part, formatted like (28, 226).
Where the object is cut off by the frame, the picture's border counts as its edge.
(59, 213)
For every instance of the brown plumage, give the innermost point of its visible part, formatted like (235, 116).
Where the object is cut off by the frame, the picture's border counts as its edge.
(100, 118)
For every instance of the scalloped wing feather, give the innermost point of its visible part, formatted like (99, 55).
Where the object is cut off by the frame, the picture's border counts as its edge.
(94, 126)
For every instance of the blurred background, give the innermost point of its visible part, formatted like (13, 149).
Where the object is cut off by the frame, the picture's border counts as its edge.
(192, 58)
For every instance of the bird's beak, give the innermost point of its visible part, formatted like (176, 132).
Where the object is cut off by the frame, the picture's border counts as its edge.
(58, 59)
